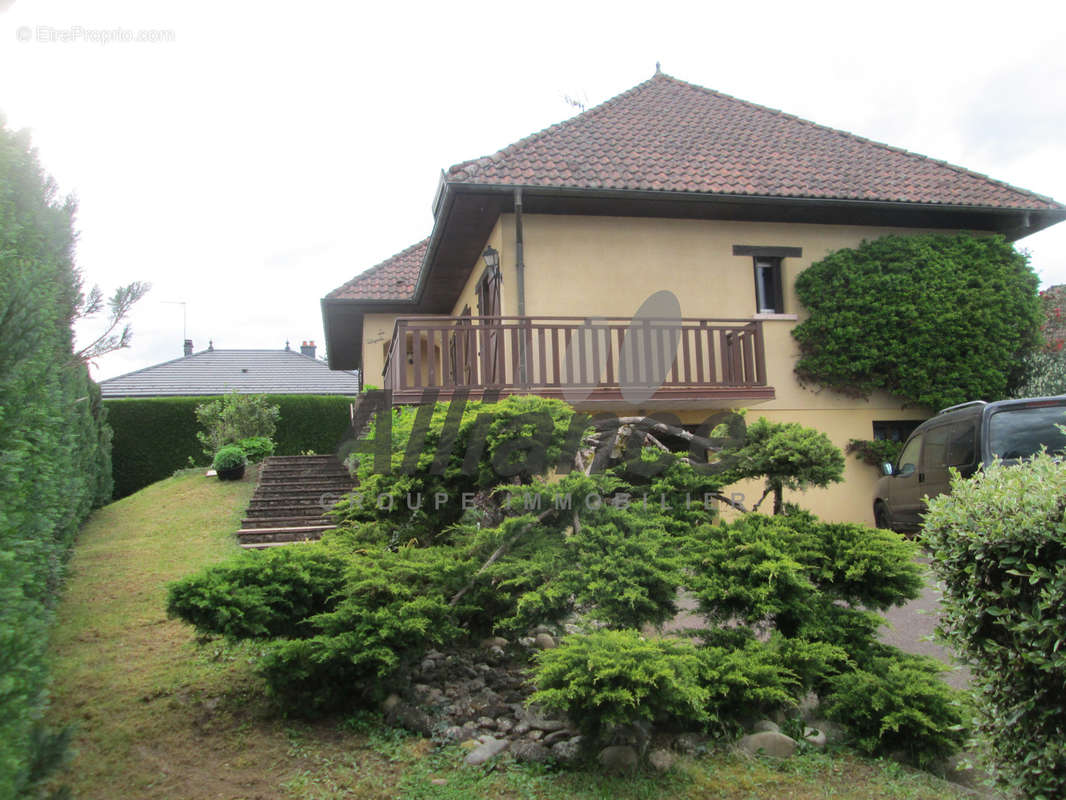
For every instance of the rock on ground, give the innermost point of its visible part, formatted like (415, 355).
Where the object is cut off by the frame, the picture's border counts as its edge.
(661, 760)
(619, 759)
(486, 750)
(530, 752)
(772, 744)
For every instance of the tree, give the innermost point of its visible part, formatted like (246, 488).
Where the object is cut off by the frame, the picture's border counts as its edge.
(234, 417)
(789, 456)
(119, 306)
(933, 319)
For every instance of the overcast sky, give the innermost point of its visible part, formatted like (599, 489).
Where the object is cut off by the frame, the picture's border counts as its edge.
(257, 155)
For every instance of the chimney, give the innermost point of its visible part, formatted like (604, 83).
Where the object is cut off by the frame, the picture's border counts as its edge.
(188, 347)
(308, 349)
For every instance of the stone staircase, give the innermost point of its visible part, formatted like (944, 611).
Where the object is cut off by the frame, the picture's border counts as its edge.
(291, 499)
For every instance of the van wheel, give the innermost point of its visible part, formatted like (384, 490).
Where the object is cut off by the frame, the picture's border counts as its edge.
(881, 516)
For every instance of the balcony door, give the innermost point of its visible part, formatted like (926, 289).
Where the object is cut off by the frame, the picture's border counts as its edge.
(488, 308)
(464, 351)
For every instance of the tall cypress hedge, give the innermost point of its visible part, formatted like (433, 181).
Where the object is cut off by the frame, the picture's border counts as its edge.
(54, 444)
(155, 436)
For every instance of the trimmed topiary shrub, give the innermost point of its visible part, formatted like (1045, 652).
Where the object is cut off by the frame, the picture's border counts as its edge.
(935, 319)
(999, 546)
(229, 457)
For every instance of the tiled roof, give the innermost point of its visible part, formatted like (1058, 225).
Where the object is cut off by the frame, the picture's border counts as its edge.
(215, 372)
(668, 135)
(392, 279)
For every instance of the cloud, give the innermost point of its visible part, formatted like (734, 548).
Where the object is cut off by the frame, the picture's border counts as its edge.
(1017, 111)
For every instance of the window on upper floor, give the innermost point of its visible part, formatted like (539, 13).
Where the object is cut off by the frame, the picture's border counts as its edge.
(896, 430)
(769, 274)
(769, 297)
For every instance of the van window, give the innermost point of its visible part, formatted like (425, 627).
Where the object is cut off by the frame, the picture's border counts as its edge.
(961, 450)
(1020, 432)
(936, 447)
(908, 459)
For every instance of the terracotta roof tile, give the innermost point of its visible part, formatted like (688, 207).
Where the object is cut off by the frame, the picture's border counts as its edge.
(392, 279)
(668, 135)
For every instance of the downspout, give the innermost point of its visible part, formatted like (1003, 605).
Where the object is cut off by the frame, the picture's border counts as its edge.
(520, 265)
(520, 282)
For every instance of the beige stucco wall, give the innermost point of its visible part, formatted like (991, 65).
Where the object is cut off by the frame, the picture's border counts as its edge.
(607, 266)
(603, 266)
(599, 266)
(377, 333)
(468, 297)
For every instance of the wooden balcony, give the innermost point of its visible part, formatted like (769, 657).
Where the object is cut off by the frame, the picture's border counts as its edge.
(590, 362)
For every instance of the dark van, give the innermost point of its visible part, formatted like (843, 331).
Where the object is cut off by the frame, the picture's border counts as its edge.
(964, 437)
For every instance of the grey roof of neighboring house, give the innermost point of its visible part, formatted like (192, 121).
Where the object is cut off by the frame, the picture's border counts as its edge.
(216, 372)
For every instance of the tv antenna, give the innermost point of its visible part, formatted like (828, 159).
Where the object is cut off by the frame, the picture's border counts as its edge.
(184, 318)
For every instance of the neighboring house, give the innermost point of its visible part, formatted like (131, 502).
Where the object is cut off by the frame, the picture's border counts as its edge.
(218, 372)
(541, 254)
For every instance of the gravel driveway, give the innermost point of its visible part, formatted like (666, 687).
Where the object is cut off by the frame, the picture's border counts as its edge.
(910, 626)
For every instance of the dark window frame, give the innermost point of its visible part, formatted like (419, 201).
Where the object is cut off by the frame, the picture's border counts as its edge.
(895, 430)
(769, 294)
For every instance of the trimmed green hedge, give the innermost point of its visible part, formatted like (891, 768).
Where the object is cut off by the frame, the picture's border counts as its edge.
(156, 435)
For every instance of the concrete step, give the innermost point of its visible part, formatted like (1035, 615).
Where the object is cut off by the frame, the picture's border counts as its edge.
(294, 459)
(267, 545)
(285, 512)
(329, 496)
(290, 487)
(293, 531)
(290, 500)
(281, 535)
(286, 529)
(284, 522)
(282, 476)
(315, 501)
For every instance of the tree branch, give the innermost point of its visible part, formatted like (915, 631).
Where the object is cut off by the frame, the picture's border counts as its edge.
(505, 545)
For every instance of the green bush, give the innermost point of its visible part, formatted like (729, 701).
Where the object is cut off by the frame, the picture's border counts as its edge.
(899, 703)
(155, 436)
(539, 543)
(609, 679)
(998, 543)
(874, 452)
(781, 570)
(390, 611)
(227, 420)
(256, 448)
(934, 319)
(260, 594)
(229, 457)
(743, 676)
(495, 438)
(1045, 374)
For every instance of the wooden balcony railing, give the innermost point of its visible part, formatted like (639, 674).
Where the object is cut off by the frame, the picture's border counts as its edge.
(593, 359)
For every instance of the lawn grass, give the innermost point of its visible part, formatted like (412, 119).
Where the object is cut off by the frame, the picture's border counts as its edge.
(159, 715)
